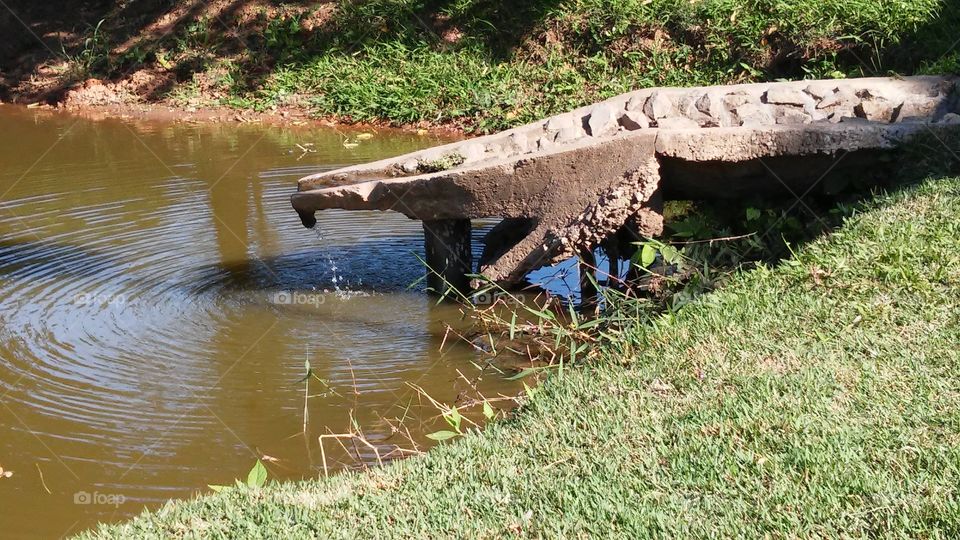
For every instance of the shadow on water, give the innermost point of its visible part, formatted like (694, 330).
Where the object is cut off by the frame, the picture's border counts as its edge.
(23, 256)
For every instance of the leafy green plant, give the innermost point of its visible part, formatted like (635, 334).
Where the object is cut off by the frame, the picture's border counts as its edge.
(135, 55)
(454, 420)
(488, 411)
(256, 479)
(282, 36)
(196, 35)
(649, 250)
(94, 56)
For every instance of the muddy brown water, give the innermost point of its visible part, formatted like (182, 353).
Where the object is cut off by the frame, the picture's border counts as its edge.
(159, 300)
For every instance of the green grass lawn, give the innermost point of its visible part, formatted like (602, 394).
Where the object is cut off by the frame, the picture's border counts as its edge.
(817, 398)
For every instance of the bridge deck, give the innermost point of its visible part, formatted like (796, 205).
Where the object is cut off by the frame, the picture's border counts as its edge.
(566, 183)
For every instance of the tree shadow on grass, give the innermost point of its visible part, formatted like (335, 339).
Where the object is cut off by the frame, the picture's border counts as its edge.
(173, 40)
(258, 33)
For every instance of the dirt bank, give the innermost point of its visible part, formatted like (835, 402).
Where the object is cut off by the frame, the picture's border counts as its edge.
(54, 49)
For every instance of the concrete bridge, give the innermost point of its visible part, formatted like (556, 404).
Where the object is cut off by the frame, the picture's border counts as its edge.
(565, 184)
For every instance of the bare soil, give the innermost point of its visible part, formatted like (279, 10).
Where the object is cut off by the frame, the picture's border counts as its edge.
(44, 39)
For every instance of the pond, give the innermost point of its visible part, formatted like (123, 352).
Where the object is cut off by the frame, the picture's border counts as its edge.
(159, 301)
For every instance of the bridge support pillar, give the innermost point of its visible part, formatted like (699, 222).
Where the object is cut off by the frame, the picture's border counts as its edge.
(449, 255)
(588, 282)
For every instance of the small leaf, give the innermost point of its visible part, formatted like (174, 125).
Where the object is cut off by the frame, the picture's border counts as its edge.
(647, 255)
(257, 476)
(543, 314)
(589, 324)
(525, 373)
(670, 254)
(453, 418)
(217, 489)
(752, 214)
(488, 411)
(442, 435)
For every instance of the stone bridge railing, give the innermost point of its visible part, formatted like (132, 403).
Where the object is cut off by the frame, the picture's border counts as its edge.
(566, 183)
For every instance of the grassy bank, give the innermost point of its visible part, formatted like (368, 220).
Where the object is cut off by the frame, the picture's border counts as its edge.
(479, 64)
(818, 397)
(486, 66)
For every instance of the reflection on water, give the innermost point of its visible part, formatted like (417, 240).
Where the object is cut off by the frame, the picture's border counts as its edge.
(159, 299)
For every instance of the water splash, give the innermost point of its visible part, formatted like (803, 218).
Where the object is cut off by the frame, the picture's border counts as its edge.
(340, 287)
